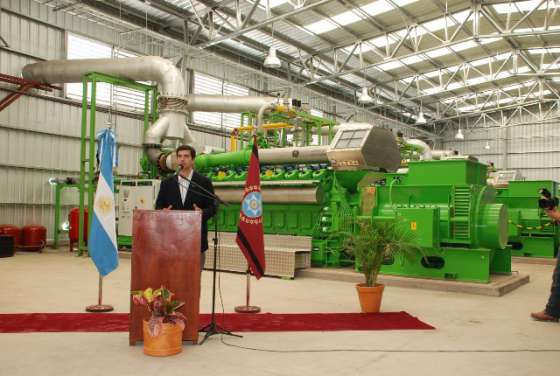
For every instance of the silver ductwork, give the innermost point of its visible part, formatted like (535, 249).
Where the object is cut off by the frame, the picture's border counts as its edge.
(426, 150)
(304, 154)
(234, 104)
(172, 114)
(148, 68)
(442, 154)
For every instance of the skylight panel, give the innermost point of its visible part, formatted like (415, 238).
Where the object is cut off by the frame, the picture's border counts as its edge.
(437, 24)
(322, 26)
(464, 46)
(275, 3)
(437, 53)
(377, 7)
(402, 3)
(373, 9)
(272, 3)
(347, 18)
(538, 51)
(391, 65)
(343, 19)
(381, 41)
(524, 6)
(412, 60)
(550, 66)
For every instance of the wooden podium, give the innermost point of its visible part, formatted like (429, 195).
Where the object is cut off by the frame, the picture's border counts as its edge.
(166, 251)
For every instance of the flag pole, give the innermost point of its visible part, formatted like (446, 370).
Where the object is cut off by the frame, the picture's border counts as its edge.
(99, 307)
(247, 308)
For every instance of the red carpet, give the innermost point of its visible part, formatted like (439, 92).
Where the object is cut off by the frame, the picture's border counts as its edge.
(235, 322)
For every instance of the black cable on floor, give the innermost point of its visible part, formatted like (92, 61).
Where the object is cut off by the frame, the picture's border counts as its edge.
(389, 350)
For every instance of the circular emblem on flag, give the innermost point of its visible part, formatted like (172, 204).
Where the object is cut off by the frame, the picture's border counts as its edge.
(104, 205)
(252, 205)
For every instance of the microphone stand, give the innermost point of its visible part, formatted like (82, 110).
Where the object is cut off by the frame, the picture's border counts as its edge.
(213, 327)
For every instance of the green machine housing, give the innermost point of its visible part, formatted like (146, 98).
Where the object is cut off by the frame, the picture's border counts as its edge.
(531, 233)
(454, 216)
(311, 200)
(307, 191)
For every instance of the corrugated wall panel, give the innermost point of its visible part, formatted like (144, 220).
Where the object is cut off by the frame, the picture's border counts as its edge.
(531, 147)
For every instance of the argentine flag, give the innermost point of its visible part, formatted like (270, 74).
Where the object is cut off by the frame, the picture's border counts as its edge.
(103, 236)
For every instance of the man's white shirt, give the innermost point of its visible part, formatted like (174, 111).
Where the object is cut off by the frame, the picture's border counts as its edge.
(184, 185)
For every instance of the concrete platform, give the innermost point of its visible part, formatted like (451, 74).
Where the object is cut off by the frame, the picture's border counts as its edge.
(533, 260)
(498, 286)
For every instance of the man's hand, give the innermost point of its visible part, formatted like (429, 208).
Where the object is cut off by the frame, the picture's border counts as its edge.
(553, 214)
(196, 207)
(168, 208)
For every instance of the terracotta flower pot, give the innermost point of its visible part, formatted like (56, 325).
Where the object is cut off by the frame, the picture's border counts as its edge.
(370, 297)
(168, 342)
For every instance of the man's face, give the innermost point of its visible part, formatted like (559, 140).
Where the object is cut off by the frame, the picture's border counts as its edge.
(184, 159)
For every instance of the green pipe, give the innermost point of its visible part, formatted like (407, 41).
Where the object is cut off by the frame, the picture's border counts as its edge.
(81, 187)
(91, 161)
(232, 159)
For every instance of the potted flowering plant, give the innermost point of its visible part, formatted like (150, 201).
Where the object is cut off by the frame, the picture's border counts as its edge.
(163, 331)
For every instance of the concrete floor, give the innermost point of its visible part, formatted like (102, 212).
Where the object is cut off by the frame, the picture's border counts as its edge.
(60, 282)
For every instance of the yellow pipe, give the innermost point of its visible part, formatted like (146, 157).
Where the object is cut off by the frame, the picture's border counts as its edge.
(266, 126)
(233, 140)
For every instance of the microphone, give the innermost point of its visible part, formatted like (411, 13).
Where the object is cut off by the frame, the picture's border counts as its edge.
(179, 168)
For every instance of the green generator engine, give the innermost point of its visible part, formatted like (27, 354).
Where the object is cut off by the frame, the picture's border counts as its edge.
(454, 216)
(307, 191)
(531, 233)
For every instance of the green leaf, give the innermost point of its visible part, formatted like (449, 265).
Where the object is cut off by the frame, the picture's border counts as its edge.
(149, 294)
(165, 293)
(375, 242)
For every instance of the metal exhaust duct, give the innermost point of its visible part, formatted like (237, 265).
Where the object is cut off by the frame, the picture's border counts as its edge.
(425, 148)
(172, 121)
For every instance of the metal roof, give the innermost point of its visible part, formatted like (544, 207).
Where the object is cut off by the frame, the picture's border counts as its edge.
(451, 58)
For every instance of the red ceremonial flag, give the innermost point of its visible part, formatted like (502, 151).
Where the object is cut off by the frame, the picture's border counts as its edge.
(250, 234)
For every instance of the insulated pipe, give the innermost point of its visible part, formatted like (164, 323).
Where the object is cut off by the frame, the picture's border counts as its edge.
(172, 121)
(426, 150)
(260, 116)
(220, 103)
(439, 154)
(148, 68)
(155, 133)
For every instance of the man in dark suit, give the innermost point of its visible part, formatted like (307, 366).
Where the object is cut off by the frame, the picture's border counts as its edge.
(186, 191)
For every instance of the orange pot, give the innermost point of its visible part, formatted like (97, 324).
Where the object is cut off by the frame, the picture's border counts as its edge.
(168, 342)
(370, 297)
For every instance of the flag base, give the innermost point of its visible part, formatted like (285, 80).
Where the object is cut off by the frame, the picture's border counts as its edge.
(99, 308)
(247, 309)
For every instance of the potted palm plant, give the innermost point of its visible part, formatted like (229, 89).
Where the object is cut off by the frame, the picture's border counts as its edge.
(163, 330)
(371, 245)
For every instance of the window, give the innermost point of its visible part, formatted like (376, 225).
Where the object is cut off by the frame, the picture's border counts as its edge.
(315, 112)
(351, 139)
(84, 48)
(204, 84)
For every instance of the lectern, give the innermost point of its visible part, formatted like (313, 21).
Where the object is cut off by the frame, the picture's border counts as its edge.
(166, 251)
